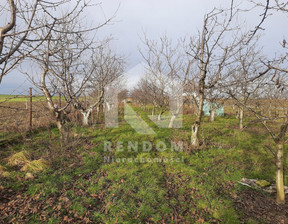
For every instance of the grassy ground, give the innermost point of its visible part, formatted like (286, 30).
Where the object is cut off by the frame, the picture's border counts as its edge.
(80, 186)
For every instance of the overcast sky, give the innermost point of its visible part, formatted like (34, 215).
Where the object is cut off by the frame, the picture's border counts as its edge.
(174, 18)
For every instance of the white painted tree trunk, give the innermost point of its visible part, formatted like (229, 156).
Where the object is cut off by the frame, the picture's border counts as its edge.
(172, 120)
(86, 117)
(159, 116)
(194, 134)
(196, 126)
(108, 106)
(280, 198)
(212, 115)
(241, 115)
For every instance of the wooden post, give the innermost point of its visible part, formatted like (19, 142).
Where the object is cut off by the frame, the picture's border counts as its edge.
(59, 100)
(30, 109)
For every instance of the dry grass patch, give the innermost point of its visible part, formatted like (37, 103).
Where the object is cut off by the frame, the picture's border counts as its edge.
(3, 172)
(35, 166)
(18, 159)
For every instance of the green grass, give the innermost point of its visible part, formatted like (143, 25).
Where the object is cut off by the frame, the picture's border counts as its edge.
(196, 189)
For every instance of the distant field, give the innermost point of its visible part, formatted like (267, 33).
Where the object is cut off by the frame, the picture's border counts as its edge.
(17, 98)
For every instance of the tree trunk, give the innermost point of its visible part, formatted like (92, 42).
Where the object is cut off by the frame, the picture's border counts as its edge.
(212, 115)
(98, 113)
(194, 134)
(203, 72)
(196, 126)
(280, 198)
(159, 116)
(108, 106)
(64, 132)
(173, 118)
(86, 117)
(241, 115)
(153, 110)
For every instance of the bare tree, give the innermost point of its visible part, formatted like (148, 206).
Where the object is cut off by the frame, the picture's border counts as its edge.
(142, 94)
(64, 63)
(212, 56)
(109, 68)
(271, 7)
(278, 98)
(151, 90)
(275, 94)
(245, 82)
(123, 94)
(20, 37)
(168, 67)
(61, 73)
(268, 6)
